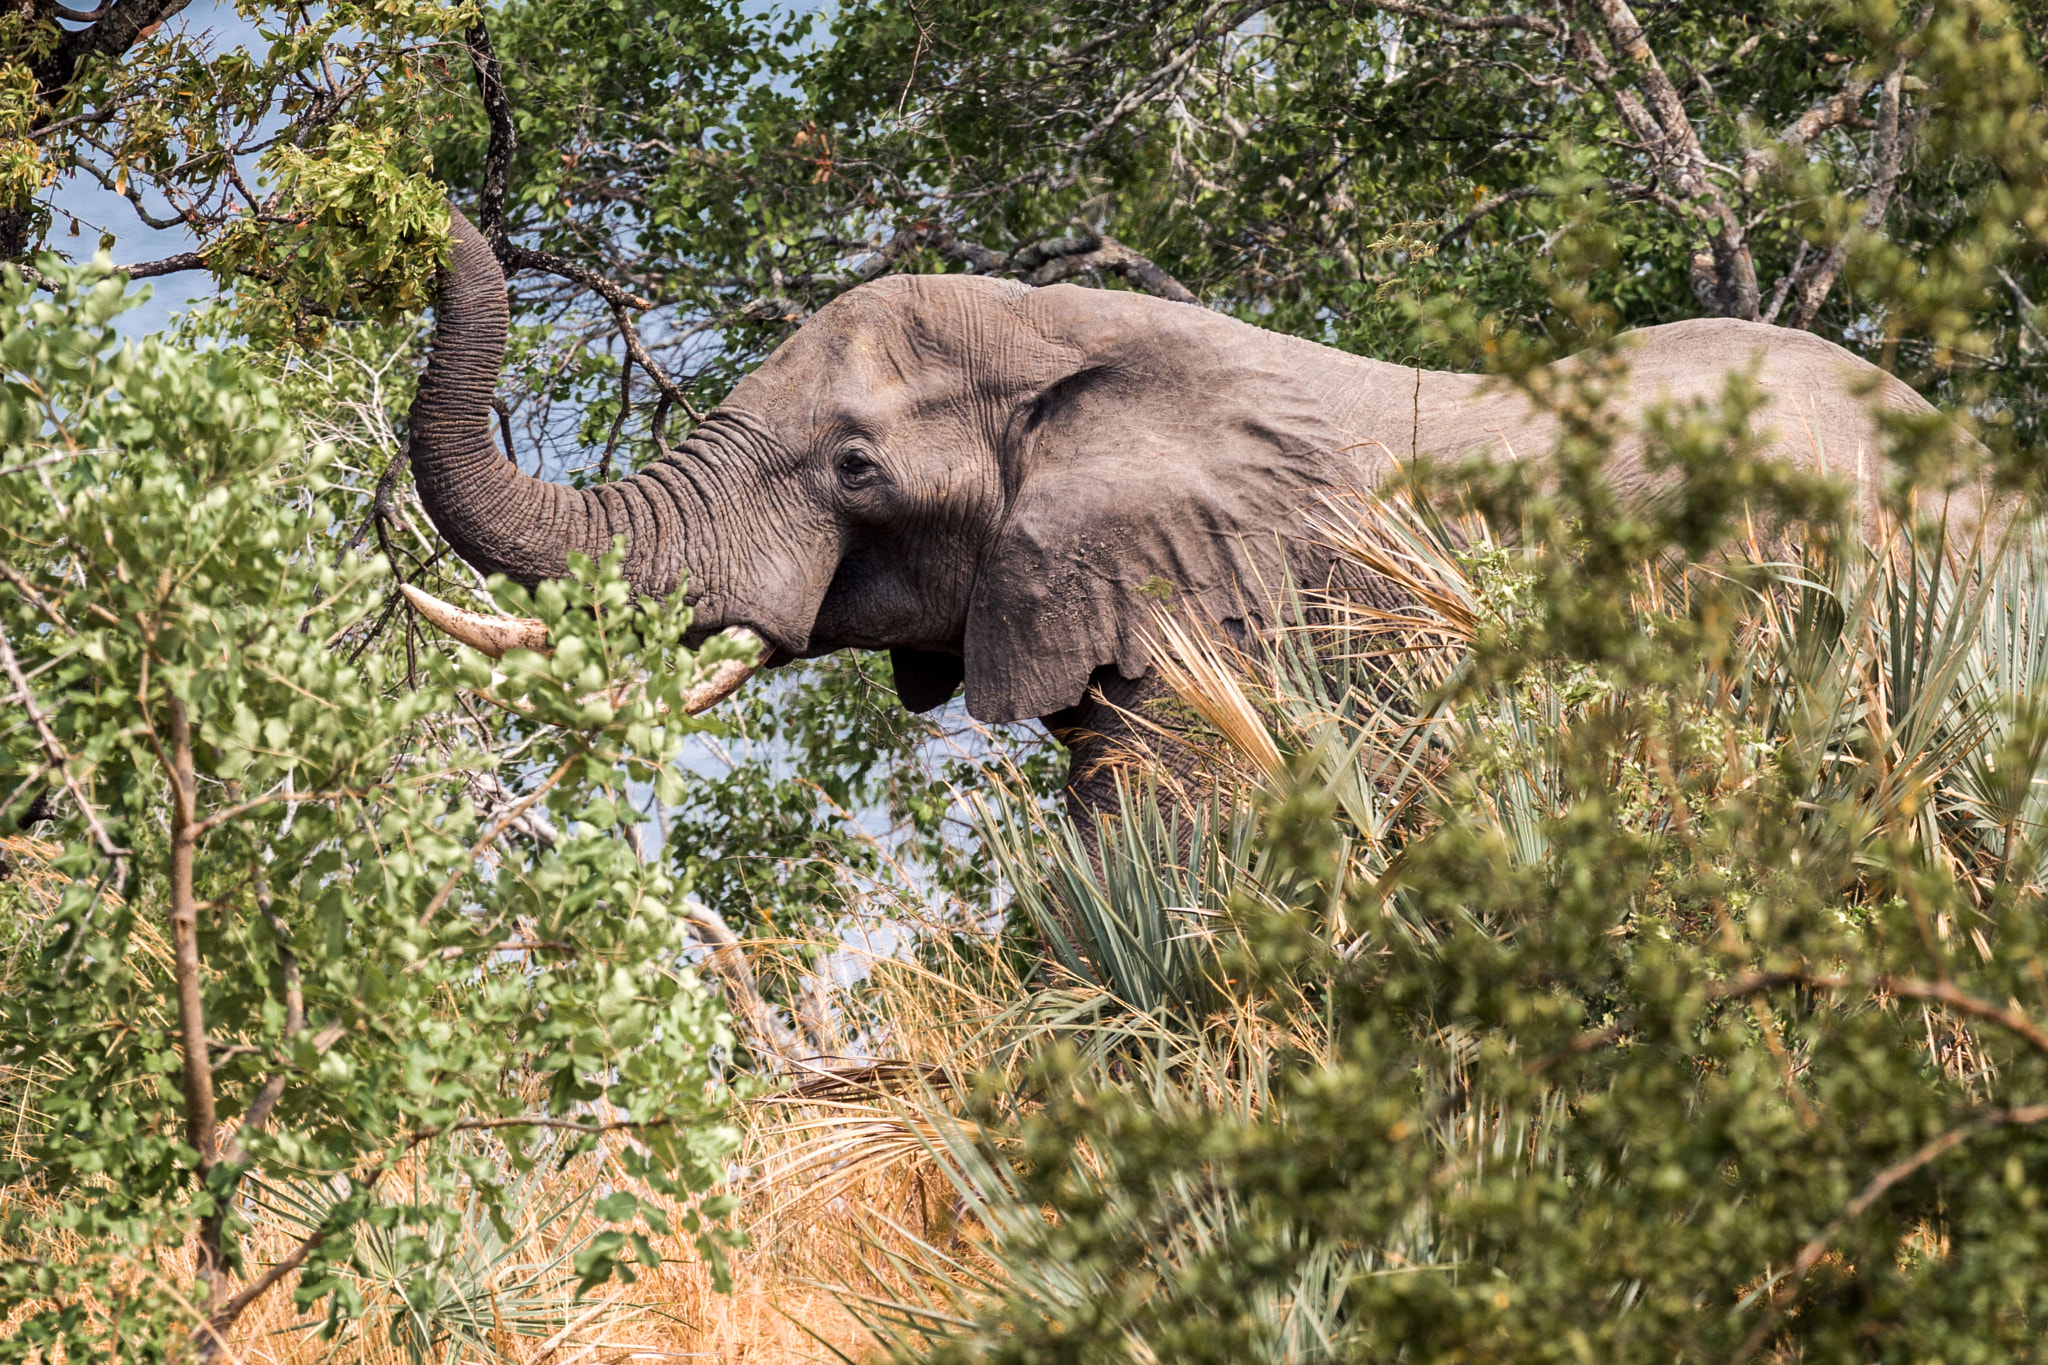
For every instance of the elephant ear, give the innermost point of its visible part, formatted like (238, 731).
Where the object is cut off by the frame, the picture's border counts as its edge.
(926, 680)
(1133, 491)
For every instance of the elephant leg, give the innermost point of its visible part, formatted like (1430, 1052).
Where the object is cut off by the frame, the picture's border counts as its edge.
(1107, 734)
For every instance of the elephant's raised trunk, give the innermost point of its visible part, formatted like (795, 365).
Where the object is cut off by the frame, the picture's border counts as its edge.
(498, 518)
(493, 515)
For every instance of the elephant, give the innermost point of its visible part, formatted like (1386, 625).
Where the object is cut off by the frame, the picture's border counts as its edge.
(1000, 484)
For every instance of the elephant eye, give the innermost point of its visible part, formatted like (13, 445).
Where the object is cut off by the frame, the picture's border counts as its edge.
(858, 470)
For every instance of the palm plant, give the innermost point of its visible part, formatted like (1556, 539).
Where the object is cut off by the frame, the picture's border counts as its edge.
(471, 1283)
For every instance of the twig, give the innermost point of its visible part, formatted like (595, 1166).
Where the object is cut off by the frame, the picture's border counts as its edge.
(36, 599)
(61, 760)
(258, 1113)
(504, 822)
(1810, 1254)
(504, 412)
(604, 464)
(43, 463)
(637, 350)
(212, 1335)
(1905, 987)
(517, 257)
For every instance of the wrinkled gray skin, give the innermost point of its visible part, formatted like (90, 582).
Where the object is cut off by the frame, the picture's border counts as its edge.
(979, 476)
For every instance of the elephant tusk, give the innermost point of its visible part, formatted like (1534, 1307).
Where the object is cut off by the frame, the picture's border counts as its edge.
(726, 677)
(494, 635)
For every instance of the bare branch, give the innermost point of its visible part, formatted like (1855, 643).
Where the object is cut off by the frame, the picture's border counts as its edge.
(498, 826)
(1062, 258)
(636, 349)
(490, 81)
(60, 759)
(611, 444)
(1832, 112)
(1890, 157)
(169, 265)
(504, 412)
(1785, 283)
(1725, 276)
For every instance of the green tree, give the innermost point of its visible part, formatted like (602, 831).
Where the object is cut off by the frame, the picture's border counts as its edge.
(284, 908)
(1654, 973)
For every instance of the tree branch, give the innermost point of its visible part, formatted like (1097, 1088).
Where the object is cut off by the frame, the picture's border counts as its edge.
(730, 960)
(1726, 279)
(1890, 156)
(490, 81)
(1484, 23)
(201, 1124)
(1063, 258)
(1905, 987)
(1060, 258)
(1810, 1254)
(211, 1335)
(169, 265)
(1832, 112)
(60, 759)
(497, 827)
(124, 24)
(258, 1113)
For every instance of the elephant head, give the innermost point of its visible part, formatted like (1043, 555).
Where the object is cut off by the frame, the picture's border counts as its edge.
(998, 484)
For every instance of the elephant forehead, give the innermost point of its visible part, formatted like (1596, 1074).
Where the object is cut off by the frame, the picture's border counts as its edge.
(881, 387)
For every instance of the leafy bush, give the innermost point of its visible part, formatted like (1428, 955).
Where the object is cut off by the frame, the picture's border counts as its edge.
(1676, 1020)
(285, 913)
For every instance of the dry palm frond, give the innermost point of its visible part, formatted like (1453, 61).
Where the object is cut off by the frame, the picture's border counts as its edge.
(1193, 665)
(1393, 539)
